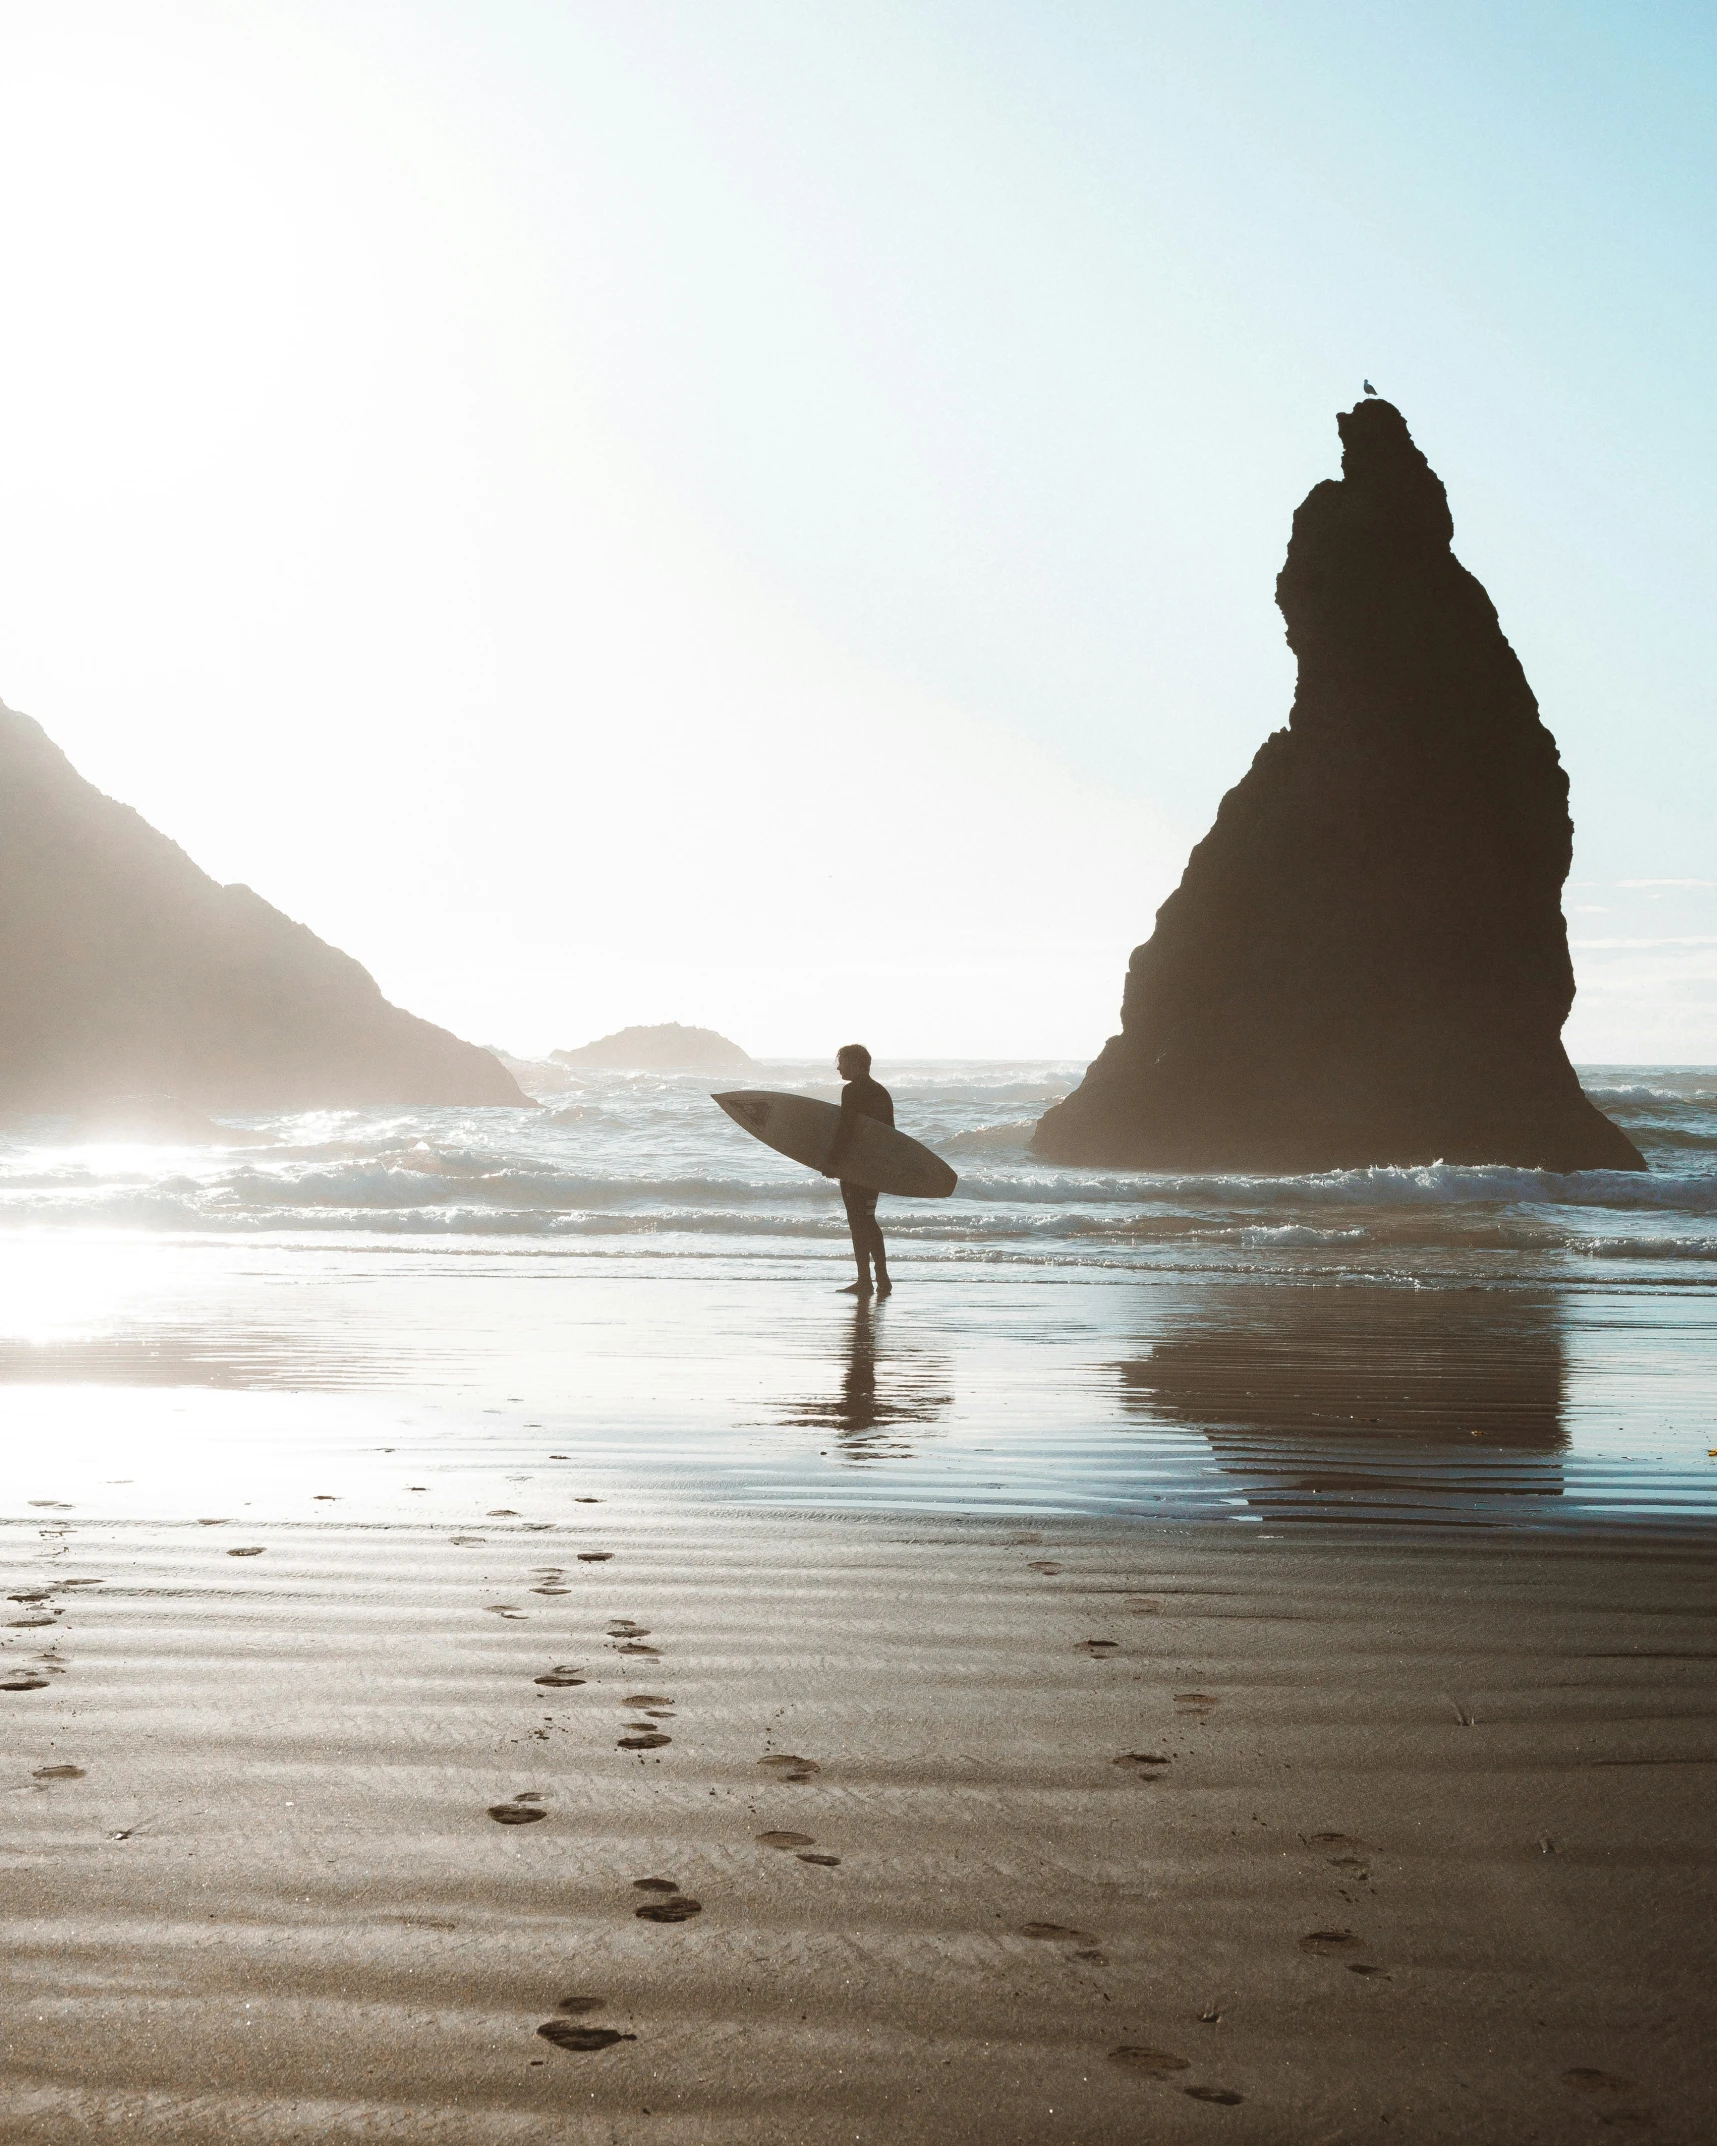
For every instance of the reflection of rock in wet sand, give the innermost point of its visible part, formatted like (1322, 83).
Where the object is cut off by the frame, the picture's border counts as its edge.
(883, 1387)
(1365, 1403)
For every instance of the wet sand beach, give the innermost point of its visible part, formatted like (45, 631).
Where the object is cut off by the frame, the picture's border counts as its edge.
(992, 1834)
(1068, 1721)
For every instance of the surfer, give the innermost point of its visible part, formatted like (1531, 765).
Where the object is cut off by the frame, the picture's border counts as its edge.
(862, 1097)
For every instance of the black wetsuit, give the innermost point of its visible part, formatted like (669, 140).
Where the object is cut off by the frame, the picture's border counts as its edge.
(862, 1098)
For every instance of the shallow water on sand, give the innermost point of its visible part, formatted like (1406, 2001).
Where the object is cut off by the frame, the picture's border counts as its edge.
(442, 1381)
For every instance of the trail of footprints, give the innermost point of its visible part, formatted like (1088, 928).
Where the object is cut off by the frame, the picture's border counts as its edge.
(40, 1609)
(665, 1901)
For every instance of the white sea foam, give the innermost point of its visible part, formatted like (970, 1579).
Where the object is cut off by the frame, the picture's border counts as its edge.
(646, 1160)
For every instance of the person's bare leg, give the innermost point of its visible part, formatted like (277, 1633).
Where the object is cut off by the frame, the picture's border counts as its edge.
(880, 1253)
(861, 1252)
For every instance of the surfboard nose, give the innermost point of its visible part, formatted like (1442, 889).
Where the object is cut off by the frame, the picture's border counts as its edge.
(751, 1111)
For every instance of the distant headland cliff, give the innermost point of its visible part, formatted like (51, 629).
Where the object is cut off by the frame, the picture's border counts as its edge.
(1366, 960)
(663, 1047)
(127, 972)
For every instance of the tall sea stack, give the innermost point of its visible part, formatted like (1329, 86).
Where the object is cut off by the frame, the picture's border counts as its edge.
(125, 972)
(1365, 961)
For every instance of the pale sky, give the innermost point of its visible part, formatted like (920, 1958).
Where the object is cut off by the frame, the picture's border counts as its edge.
(766, 514)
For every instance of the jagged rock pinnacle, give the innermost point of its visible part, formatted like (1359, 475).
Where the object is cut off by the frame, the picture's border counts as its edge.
(1366, 960)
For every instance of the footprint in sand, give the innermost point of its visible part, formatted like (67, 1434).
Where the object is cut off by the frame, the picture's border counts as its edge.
(1360, 1967)
(790, 1767)
(576, 1501)
(787, 1840)
(1043, 1564)
(23, 1680)
(828, 1862)
(254, 1551)
(1099, 1649)
(1148, 2063)
(214, 1523)
(1056, 1933)
(1195, 1704)
(32, 1624)
(624, 1628)
(1225, 2095)
(644, 1740)
(681, 1908)
(636, 1646)
(655, 1885)
(505, 1609)
(323, 1497)
(518, 1813)
(501, 1512)
(577, 2005)
(565, 2035)
(560, 1679)
(1143, 1606)
(468, 1542)
(58, 1773)
(1141, 1764)
(1585, 2080)
(32, 1594)
(645, 1700)
(595, 1557)
(50, 1505)
(1328, 1942)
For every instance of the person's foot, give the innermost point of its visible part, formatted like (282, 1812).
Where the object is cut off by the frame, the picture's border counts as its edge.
(856, 1289)
(884, 1287)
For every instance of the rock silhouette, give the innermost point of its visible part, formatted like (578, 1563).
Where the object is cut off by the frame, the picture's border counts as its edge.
(1365, 961)
(125, 972)
(666, 1047)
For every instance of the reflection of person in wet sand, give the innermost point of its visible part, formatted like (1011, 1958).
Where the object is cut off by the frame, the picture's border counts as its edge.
(884, 1393)
(862, 1097)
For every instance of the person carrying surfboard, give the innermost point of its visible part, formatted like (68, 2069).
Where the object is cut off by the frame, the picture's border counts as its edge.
(862, 1097)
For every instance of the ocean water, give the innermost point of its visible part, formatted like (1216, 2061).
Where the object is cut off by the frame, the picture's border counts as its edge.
(627, 1282)
(643, 1163)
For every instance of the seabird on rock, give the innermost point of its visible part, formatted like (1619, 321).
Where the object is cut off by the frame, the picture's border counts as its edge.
(1369, 389)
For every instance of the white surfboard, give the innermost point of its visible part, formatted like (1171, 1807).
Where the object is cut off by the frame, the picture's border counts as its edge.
(803, 1129)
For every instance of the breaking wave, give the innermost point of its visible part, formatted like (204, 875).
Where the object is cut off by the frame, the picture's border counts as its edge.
(646, 1160)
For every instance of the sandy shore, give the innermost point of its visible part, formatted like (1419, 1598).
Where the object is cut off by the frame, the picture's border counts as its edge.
(1343, 1839)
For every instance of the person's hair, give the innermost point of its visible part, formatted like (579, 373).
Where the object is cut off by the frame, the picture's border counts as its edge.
(855, 1050)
